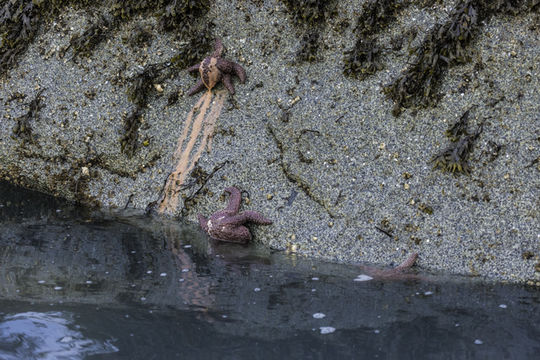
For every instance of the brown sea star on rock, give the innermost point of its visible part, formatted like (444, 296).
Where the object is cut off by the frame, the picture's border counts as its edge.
(214, 68)
(228, 224)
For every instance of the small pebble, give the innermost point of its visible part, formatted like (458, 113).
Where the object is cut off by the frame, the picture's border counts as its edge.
(57, 288)
(257, 289)
(478, 342)
(319, 315)
(503, 306)
(163, 274)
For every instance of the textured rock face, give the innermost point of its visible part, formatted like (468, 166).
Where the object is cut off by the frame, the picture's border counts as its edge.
(320, 153)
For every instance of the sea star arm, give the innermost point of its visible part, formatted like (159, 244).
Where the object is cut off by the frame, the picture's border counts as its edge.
(218, 48)
(194, 67)
(228, 83)
(240, 72)
(199, 86)
(234, 200)
(407, 263)
(255, 217)
(203, 222)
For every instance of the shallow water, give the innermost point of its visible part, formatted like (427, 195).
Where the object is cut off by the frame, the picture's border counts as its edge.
(77, 283)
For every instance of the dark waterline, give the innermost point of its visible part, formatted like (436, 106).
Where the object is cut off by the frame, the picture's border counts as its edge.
(77, 283)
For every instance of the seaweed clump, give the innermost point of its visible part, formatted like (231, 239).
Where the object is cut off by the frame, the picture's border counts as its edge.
(444, 46)
(19, 23)
(454, 158)
(310, 16)
(22, 128)
(85, 43)
(363, 59)
(128, 141)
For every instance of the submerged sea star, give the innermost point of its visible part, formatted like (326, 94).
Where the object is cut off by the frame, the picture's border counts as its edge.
(214, 68)
(228, 224)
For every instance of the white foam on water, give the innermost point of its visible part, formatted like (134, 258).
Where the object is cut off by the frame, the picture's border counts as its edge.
(363, 277)
(327, 329)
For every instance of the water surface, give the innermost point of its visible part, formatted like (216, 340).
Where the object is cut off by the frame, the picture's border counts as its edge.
(76, 283)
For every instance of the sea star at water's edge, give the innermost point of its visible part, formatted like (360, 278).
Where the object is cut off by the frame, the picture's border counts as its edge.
(228, 224)
(214, 69)
(397, 273)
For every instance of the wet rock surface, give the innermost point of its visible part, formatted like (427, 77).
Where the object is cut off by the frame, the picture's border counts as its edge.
(320, 153)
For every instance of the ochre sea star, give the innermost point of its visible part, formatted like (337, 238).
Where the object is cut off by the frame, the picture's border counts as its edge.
(214, 69)
(228, 224)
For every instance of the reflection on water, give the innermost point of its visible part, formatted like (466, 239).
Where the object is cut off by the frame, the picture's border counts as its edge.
(49, 336)
(110, 287)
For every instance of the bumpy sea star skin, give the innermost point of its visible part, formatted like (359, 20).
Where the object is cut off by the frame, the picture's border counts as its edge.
(228, 224)
(214, 69)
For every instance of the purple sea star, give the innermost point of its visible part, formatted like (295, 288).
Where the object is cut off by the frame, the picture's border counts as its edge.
(228, 224)
(397, 273)
(213, 69)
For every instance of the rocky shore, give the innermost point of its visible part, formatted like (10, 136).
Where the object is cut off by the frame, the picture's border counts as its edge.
(354, 150)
